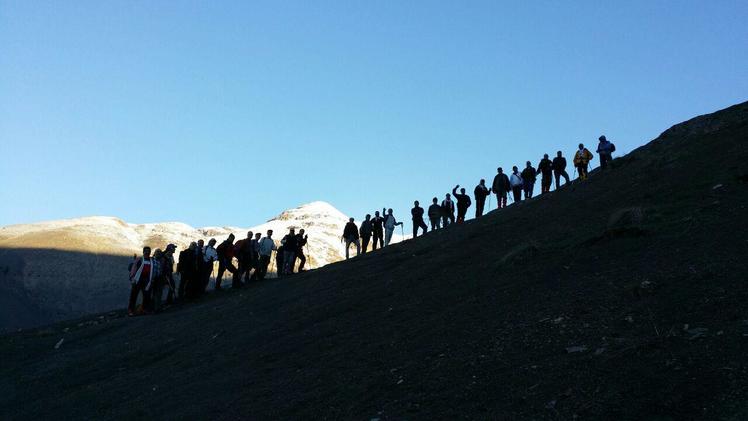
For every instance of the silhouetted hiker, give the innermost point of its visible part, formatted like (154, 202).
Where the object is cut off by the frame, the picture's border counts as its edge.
(168, 271)
(516, 182)
(280, 254)
(209, 257)
(435, 214)
(480, 193)
(377, 224)
(350, 236)
(266, 247)
(417, 214)
(290, 247)
(581, 160)
(545, 168)
(559, 169)
(528, 177)
(463, 203)
(225, 252)
(242, 252)
(255, 256)
(301, 240)
(448, 211)
(141, 275)
(365, 231)
(605, 149)
(389, 226)
(501, 188)
(187, 268)
(157, 288)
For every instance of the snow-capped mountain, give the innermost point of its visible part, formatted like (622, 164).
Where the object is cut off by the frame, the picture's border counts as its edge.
(62, 269)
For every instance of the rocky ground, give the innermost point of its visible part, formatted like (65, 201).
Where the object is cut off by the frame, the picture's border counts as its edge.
(622, 297)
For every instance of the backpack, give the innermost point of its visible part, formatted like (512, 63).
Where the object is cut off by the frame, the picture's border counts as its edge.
(612, 147)
(238, 247)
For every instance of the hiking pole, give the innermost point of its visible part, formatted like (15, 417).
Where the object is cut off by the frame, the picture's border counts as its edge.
(309, 257)
(402, 232)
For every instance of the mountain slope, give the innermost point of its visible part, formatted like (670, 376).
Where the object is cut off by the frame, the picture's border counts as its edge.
(56, 270)
(622, 297)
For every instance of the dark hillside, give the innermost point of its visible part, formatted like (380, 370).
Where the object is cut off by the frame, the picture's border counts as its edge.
(622, 297)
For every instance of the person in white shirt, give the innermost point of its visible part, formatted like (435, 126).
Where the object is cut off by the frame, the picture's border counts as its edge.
(210, 255)
(389, 226)
(516, 182)
(266, 247)
(448, 211)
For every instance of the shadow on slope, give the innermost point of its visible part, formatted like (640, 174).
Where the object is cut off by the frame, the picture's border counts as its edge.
(622, 297)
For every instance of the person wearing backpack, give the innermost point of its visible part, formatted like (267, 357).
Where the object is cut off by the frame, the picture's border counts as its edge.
(516, 182)
(289, 251)
(545, 168)
(243, 258)
(559, 169)
(529, 175)
(581, 161)
(605, 149)
(480, 193)
(159, 280)
(141, 277)
(364, 232)
(435, 214)
(301, 240)
(265, 250)
(417, 214)
(377, 224)
(187, 269)
(210, 256)
(225, 253)
(501, 188)
(448, 211)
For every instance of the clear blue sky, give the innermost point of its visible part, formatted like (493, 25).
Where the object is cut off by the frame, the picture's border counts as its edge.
(225, 113)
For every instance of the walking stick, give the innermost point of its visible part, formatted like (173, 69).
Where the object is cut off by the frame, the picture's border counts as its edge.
(402, 231)
(309, 256)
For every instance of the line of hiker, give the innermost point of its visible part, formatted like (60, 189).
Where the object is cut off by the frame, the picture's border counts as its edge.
(521, 185)
(152, 275)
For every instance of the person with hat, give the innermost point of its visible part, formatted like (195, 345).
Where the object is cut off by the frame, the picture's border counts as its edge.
(605, 149)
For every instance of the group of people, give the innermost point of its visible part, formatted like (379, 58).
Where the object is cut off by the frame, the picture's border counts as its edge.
(153, 275)
(521, 184)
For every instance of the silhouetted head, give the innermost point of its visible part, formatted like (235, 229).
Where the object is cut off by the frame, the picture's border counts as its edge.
(250, 234)
(514, 168)
(448, 195)
(301, 231)
(292, 231)
(416, 203)
(231, 238)
(368, 216)
(581, 146)
(389, 211)
(500, 170)
(529, 164)
(435, 200)
(545, 156)
(212, 242)
(158, 253)
(462, 190)
(376, 213)
(270, 233)
(350, 219)
(201, 243)
(558, 154)
(146, 252)
(602, 138)
(193, 245)
(482, 181)
(257, 236)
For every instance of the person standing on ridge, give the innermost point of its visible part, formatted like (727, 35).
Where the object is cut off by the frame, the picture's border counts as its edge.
(289, 251)
(377, 224)
(389, 226)
(141, 277)
(545, 168)
(463, 203)
(265, 249)
(605, 149)
(350, 236)
(186, 267)
(225, 253)
(529, 175)
(209, 257)
(559, 169)
(480, 193)
(435, 214)
(448, 211)
(157, 286)
(243, 258)
(500, 187)
(254, 257)
(301, 240)
(581, 160)
(168, 271)
(516, 182)
(365, 232)
(417, 214)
